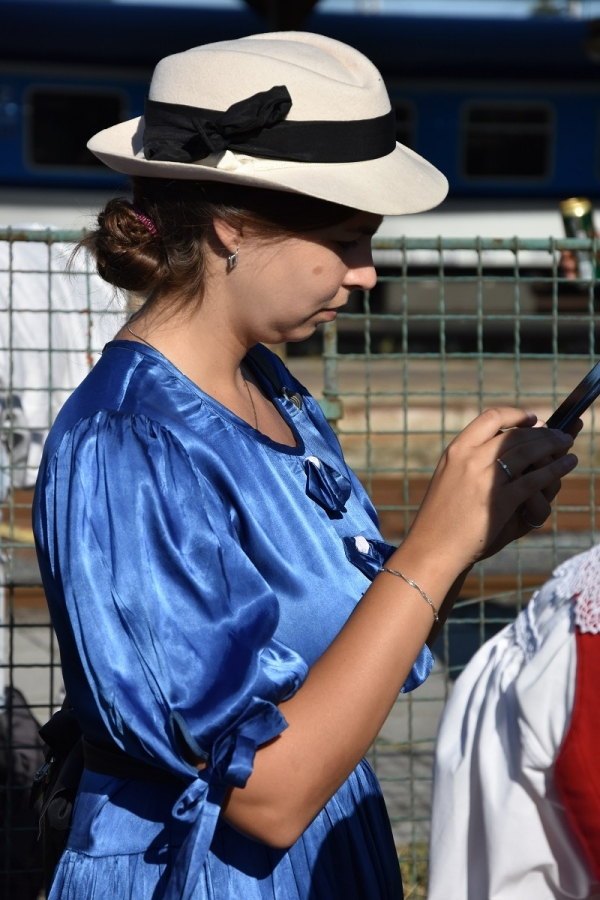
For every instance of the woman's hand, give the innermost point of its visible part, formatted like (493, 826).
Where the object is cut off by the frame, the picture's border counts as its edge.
(473, 506)
(537, 509)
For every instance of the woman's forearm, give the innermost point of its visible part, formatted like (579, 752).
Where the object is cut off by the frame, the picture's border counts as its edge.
(336, 715)
(333, 719)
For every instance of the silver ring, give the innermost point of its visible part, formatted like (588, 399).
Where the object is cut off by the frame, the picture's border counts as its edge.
(503, 465)
(530, 524)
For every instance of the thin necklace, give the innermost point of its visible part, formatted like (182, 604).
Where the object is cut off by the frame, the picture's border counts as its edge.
(140, 338)
(251, 400)
(152, 347)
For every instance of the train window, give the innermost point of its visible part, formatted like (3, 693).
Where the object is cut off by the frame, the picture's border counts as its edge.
(507, 141)
(405, 123)
(60, 123)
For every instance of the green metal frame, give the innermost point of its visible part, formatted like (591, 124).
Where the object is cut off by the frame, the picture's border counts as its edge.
(415, 745)
(374, 400)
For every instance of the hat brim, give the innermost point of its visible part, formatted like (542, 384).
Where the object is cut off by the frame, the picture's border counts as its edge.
(400, 183)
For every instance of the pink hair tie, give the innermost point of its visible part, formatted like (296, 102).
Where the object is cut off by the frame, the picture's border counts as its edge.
(145, 220)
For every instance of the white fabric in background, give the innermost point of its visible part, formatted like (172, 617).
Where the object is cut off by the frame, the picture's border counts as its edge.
(52, 326)
(499, 831)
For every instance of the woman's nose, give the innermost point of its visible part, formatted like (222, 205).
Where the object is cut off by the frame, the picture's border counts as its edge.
(362, 275)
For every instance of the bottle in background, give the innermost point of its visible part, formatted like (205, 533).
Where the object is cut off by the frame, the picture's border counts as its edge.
(577, 214)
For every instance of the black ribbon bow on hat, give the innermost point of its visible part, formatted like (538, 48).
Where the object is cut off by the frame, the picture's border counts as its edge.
(259, 127)
(185, 134)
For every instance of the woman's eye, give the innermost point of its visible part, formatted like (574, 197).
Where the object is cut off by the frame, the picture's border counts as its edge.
(347, 245)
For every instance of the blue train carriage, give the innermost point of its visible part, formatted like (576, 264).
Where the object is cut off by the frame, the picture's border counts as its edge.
(505, 107)
(508, 109)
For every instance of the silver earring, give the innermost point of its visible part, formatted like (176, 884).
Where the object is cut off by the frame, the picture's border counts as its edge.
(232, 259)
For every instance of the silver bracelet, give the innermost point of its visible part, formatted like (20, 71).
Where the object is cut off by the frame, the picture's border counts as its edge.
(414, 585)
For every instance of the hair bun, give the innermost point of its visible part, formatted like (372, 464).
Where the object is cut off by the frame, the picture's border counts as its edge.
(126, 247)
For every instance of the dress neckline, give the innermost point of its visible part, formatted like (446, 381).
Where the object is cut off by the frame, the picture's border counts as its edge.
(219, 408)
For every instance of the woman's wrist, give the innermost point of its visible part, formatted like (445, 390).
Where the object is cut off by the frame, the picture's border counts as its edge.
(432, 570)
(418, 588)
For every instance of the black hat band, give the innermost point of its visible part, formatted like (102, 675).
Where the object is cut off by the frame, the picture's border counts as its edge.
(257, 127)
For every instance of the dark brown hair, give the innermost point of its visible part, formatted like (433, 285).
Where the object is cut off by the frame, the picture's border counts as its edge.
(129, 256)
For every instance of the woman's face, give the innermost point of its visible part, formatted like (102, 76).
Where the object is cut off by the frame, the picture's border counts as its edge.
(288, 287)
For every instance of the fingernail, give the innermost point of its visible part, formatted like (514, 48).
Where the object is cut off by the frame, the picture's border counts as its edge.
(532, 416)
(569, 461)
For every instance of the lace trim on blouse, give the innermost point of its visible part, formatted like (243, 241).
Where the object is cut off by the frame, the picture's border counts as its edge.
(586, 590)
(575, 583)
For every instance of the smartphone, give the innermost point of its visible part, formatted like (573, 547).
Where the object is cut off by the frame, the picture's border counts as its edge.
(577, 402)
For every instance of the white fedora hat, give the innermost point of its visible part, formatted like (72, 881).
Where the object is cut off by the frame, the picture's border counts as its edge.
(290, 111)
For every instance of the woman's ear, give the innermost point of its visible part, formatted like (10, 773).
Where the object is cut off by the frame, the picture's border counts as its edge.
(227, 234)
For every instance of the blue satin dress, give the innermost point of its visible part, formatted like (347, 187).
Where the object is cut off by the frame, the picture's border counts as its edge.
(195, 570)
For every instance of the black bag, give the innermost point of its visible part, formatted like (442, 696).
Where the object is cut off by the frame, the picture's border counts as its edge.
(268, 369)
(20, 755)
(67, 754)
(55, 785)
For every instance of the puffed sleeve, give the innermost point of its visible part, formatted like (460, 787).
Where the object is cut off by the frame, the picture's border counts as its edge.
(172, 622)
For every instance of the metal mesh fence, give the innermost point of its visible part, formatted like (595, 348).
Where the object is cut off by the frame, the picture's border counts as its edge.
(53, 322)
(452, 327)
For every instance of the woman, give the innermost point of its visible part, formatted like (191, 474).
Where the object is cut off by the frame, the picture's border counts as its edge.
(206, 553)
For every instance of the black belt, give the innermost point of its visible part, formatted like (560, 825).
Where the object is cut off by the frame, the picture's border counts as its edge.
(120, 765)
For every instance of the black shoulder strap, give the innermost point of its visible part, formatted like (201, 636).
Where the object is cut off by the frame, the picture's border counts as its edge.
(264, 364)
